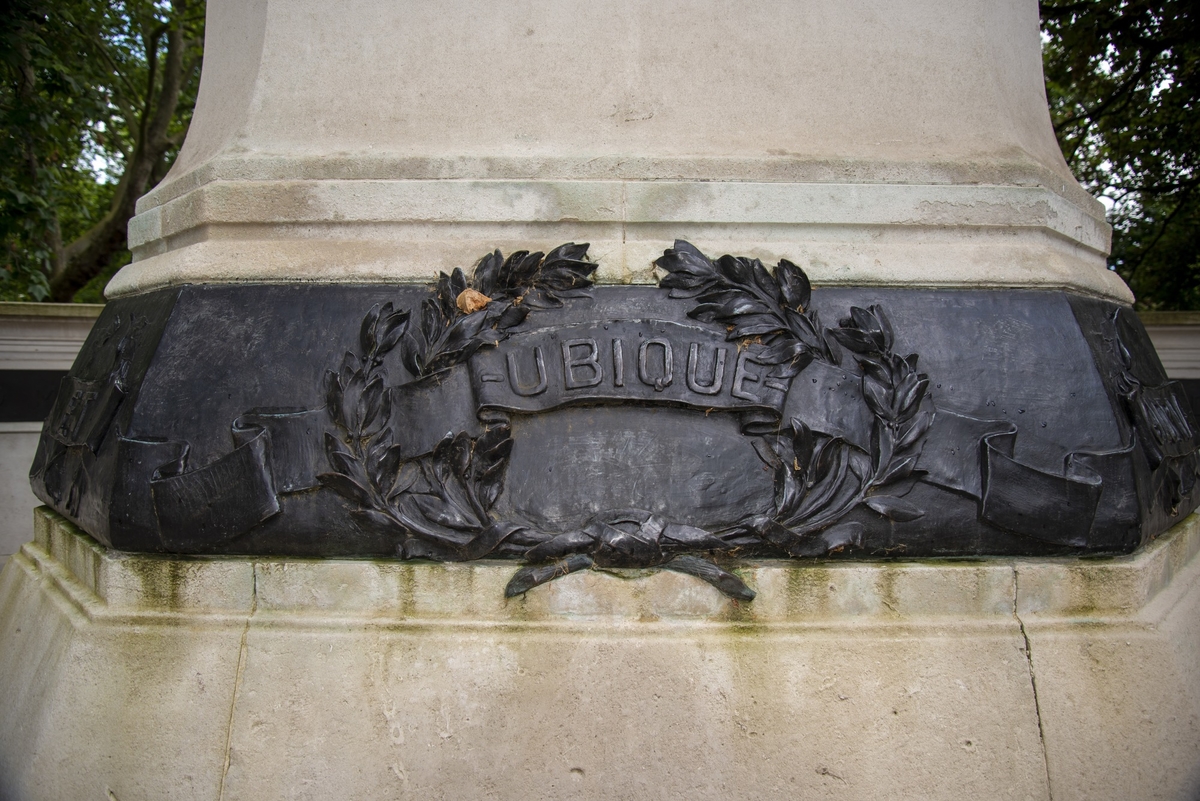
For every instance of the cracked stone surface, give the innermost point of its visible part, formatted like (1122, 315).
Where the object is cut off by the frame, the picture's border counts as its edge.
(147, 677)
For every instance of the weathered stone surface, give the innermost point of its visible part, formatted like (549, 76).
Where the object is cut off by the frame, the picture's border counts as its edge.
(843, 235)
(18, 444)
(33, 336)
(908, 144)
(131, 707)
(270, 678)
(1116, 656)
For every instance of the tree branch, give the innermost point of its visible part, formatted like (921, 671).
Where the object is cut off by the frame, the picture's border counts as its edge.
(92, 251)
(1162, 230)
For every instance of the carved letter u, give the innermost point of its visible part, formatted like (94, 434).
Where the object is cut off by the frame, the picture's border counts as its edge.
(514, 380)
(714, 386)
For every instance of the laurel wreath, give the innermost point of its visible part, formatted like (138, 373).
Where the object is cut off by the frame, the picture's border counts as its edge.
(819, 478)
(439, 505)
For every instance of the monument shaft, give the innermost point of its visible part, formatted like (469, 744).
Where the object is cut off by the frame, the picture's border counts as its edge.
(870, 143)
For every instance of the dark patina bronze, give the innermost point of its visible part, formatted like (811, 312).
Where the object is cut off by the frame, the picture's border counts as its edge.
(523, 413)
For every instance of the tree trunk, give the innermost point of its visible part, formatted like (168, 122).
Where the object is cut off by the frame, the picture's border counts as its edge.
(88, 255)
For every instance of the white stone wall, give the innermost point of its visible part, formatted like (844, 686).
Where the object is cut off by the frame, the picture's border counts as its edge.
(33, 336)
(1176, 337)
(18, 443)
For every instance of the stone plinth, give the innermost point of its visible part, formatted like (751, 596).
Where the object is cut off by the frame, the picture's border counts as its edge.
(38, 343)
(193, 678)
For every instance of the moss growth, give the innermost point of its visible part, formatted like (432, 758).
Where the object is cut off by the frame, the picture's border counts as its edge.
(886, 586)
(162, 580)
(807, 586)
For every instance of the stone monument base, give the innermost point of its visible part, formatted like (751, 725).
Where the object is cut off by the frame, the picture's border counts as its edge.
(136, 677)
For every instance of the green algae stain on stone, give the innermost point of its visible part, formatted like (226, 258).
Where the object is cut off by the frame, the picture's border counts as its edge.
(887, 574)
(162, 581)
(807, 589)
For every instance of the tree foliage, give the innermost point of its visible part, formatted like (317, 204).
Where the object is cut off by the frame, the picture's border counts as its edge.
(95, 99)
(1122, 81)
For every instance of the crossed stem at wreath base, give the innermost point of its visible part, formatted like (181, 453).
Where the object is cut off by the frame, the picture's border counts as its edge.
(443, 500)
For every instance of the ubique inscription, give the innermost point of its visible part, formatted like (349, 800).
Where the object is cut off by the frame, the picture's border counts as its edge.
(636, 361)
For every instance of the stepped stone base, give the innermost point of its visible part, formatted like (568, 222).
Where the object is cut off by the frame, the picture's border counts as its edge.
(140, 677)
